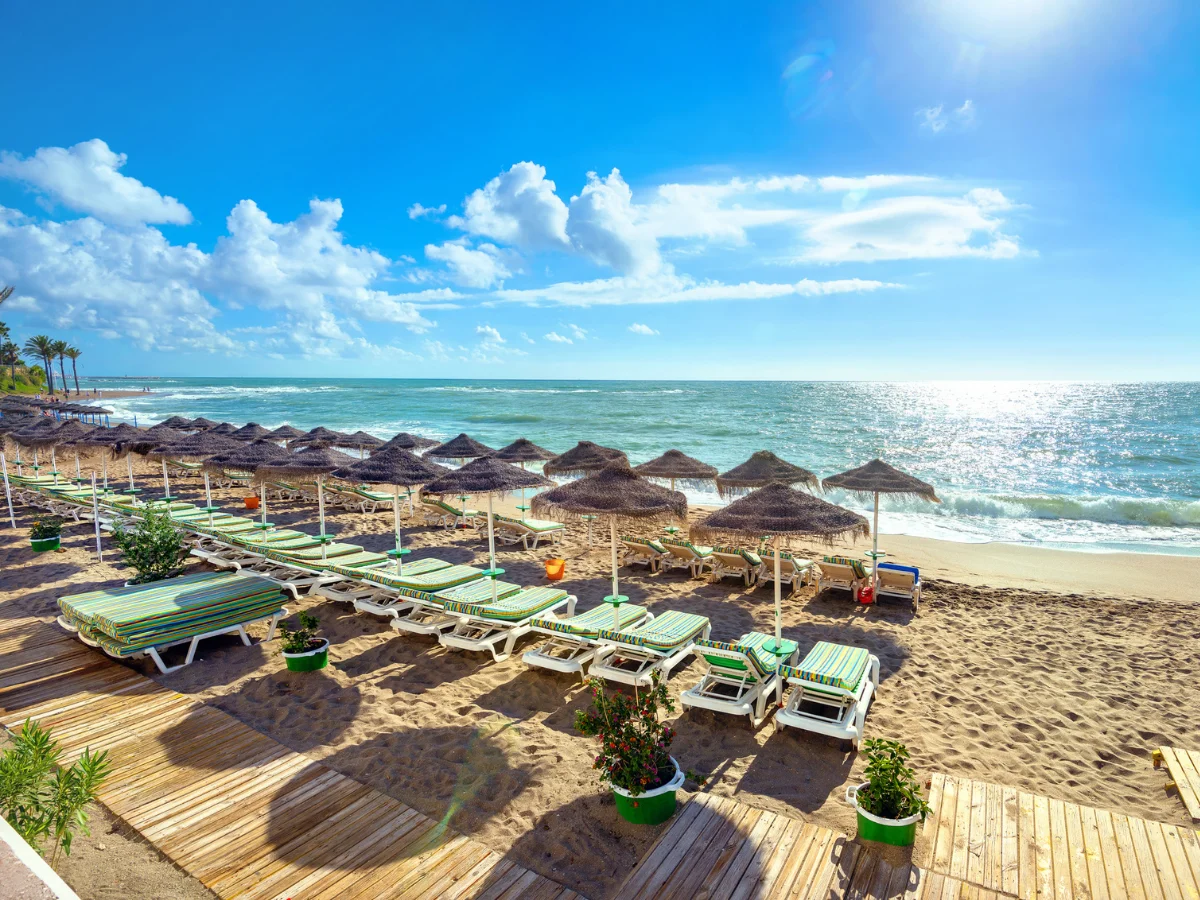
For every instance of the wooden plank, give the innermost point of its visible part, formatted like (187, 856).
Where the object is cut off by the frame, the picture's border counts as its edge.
(806, 871)
(1077, 852)
(747, 884)
(1010, 862)
(1027, 871)
(1184, 768)
(1151, 878)
(1045, 854)
(645, 870)
(1060, 848)
(943, 851)
(993, 838)
(1093, 853)
(1131, 872)
(1178, 843)
(962, 832)
(725, 829)
(1163, 864)
(1110, 855)
(722, 886)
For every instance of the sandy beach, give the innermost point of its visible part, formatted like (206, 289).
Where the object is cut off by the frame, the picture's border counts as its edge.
(1052, 671)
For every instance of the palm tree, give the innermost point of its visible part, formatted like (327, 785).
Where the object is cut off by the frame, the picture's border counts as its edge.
(60, 352)
(10, 355)
(73, 353)
(5, 292)
(41, 346)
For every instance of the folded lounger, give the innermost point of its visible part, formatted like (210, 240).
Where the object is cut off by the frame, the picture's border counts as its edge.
(832, 688)
(640, 550)
(527, 532)
(145, 619)
(353, 584)
(738, 563)
(281, 490)
(686, 555)
(439, 512)
(572, 643)
(370, 501)
(899, 581)
(742, 676)
(840, 573)
(792, 570)
(630, 656)
(483, 624)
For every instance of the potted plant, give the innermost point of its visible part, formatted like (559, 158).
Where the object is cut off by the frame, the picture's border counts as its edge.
(46, 534)
(889, 803)
(634, 755)
(302, 649)
(153, 547)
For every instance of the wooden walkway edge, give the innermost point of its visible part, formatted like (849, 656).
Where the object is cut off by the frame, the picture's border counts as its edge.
(1184, 766)
(242, 813)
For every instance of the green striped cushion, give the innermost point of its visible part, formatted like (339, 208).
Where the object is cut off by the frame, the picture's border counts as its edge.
(518, 606)
(446, 507)
(860, 571)
(360, 560)
(645, 542)
(477, 591)
(134, 644)
(835, 665)
(225, 528)
(377, 496)
(417, 567)
(587, 625)
(427, 582)
(289, 542)
(540, 525)
(761, 660)
(311, 554)
(752, 558)
(688, 545)
(670, 631)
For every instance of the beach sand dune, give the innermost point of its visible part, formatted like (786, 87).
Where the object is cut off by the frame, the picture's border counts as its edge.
(1060, 692)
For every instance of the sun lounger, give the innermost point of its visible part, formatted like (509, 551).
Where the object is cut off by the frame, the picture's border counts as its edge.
(739, 563)
(179, 467)
(742, 676)
(686, 555)
(527, 532)
(899, 581)
(572, 643)
(380, 590)
(630, 656)
(298, 571)
(792, 570)
(427, 613)
(411, 599)
(282, 490)
(146, 619)
(832, 688)
(639, 550)
(370, 501)
(439, 512)
(481, 624)
(840, 573)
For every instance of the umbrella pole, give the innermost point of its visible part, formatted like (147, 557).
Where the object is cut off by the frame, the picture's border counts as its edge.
(104, 464)
(492, 548)
(166, 481)
(875, 550)
(96, 518)
(321, 512)
(129, 465)
(208, 498)
(53, 464)
(778, 625)
(263, 503)
(12, 519)
(396, 523)
(616, 594)
(78, 470)
(18, 462)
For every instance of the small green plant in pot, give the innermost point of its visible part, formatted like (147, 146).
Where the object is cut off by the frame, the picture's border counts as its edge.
(889, 802)
(46, 534)
(153, 547)
(634, 757)
(302, 649)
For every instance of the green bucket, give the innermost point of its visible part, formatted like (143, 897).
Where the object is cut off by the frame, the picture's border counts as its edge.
(895, 832)
(41, 545)
(310, 660)
(649, 807)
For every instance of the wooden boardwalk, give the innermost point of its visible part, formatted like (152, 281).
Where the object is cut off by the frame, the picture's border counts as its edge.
(243, 814)
(1184, 766)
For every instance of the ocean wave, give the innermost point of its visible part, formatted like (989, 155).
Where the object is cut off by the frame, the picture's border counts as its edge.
(1137, 511)
(503, 418)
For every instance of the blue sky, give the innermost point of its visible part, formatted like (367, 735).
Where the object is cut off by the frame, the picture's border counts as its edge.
(900, 190)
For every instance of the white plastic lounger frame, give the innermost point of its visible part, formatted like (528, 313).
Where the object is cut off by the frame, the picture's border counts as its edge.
(725, 563)
(828, 710)
(194, 641)
(836, 576)
(634, 665)
(731, 691)
(480, 633)
(568, 653)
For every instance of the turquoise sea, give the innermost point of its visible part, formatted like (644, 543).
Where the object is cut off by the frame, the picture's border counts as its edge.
(1086, 466)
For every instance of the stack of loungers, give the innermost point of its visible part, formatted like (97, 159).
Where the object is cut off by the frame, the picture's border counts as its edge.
(144, 619)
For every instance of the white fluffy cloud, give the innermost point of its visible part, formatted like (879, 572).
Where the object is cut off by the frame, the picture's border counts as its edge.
(937, 118)
(871, 182)
(416, 211)
(557, 338)
(639, 328)
(604, 226)
(87, 179)
(476, 268)
(520, 208)
(489, 333)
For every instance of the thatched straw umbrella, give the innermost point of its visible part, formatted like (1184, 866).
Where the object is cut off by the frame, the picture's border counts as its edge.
(675, 465)
(151, 439)
(761, 469)
(105, 440)
(312, 462)
(399, 468)
(29, 435)
(406, 441)
(65, 434)
(319, 437)
(362, 442)
(248, 458)
(251, 431)
(522, 451)
(224, 428)
(179, 423)
(200, 445)
(203, 424)
(462, 447)
(877, 477)
(780, 512)
(584, 458)
(616, 492)
(285, 433)
(490, 476)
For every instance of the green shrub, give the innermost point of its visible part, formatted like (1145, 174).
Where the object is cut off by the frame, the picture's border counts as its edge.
(48, 527)
(154, 548)
(892, 791)
(302, 639)
(41, 800)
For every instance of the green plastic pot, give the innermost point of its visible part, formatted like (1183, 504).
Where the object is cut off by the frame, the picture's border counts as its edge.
(895, 832)
(649, 807)
(309, 660)
(41, 545)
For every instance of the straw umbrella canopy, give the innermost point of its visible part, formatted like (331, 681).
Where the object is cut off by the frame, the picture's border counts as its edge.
(584, 459)
(251, 431)
(150, 440)
(200, 445)
(319, 437)
(104, 438)
(179, 422)
(312, 462)
(52, 438)
(779, 512)
(361, 441)
(407, 441)
(248, 458)
(761, 469)
(462, 447)
(490, 476)
(285, 433)
(399, 468)
(523, 450)
(676, 465)
(877, 477)
(614, 493)
(224, 428)
(203, 424)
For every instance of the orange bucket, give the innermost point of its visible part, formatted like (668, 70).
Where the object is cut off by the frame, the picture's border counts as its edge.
(251, 502)
(555, 569)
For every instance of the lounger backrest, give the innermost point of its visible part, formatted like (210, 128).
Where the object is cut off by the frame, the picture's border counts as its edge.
(857, 569)
(894, 576)
(686, 549)
(733, 557)
(669, 631)
(731, 656)
(643, 544)
(833, 665)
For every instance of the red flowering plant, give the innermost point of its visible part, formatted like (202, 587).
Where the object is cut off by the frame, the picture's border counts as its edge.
(634, 745)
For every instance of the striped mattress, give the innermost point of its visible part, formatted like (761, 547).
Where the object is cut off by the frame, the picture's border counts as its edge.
(664, 634)
(517, 606)
(752, 646)
(835, 665)
(586, 626)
